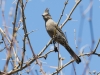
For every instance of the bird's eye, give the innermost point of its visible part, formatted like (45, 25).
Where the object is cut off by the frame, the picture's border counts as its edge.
(46, 14)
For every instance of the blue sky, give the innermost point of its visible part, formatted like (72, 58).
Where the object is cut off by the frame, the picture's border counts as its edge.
(34, 21)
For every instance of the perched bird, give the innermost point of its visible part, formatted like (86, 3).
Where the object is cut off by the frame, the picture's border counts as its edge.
(57, 35)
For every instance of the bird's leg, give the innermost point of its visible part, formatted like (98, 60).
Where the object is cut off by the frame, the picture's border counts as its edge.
(55, 48)
(54, 42)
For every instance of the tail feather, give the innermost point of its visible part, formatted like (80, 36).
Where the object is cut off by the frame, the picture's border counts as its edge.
(76, 58)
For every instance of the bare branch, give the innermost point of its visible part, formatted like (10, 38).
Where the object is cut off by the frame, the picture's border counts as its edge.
(66, 2)
(45, 47)
(68, 17)
(11, 44)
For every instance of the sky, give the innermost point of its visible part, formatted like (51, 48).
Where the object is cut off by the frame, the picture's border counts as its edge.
(39, 38)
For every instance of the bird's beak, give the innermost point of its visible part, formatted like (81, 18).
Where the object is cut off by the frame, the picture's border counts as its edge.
(42, 15)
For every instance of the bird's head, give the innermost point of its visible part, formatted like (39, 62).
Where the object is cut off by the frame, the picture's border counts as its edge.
(46, 15)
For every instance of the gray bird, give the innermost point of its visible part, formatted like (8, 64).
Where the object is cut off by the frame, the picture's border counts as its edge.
(57, 35)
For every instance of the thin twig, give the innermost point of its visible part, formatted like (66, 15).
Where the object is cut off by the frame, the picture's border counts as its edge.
(74, 68)
(58, 59)
(13, 36)
(33, 59)
(45, 47)
(92, 37)
(25, 33)
(28, 63)
(68, 17)
(45, 55)
(66, 2)
(97, 45)
(75, 38)
(85, 54)
(2, 49)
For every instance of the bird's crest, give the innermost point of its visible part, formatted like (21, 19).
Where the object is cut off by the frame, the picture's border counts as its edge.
(46, 12)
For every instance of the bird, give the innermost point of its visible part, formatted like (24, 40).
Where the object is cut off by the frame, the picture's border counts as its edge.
(57, 34)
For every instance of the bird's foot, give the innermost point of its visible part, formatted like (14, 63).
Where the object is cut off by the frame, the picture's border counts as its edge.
(55, 49)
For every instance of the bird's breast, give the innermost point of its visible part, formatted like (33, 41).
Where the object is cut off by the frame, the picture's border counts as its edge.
(50, 31)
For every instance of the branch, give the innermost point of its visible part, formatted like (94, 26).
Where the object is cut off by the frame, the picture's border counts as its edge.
(26, 35)
(85, 54)
(66, 2)
(28, 63)
(68, 17)
(13, 36)
(45, 55)
(60, 68)
(45, 47)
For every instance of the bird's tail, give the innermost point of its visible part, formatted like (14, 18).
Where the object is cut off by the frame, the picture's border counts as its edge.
(76, 58)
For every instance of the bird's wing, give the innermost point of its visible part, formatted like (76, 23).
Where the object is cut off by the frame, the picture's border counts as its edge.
(59, 29)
